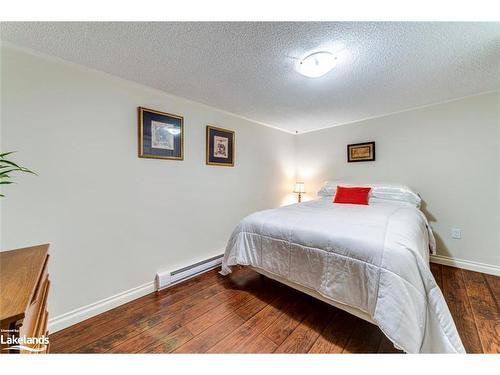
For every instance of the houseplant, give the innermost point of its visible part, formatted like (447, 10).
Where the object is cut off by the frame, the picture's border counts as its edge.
(7, 167)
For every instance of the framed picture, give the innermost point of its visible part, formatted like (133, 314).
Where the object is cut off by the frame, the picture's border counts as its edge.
(361, 152)
(161, 135)
(220, 146)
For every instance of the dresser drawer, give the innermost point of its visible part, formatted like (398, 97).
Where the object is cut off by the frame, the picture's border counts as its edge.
(37, 305)
(41, 324)
(42, 331)
(43, 276)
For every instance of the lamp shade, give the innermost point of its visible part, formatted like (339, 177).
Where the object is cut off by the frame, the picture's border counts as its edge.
(299, 187)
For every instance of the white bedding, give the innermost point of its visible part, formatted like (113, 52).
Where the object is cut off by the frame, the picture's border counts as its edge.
(374, 258)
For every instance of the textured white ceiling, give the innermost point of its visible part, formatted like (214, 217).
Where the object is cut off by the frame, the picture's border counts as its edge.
(248, 68)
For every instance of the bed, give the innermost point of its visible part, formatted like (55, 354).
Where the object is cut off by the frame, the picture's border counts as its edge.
(369, 260)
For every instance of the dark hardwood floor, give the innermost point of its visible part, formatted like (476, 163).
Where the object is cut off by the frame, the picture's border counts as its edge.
(249, 313)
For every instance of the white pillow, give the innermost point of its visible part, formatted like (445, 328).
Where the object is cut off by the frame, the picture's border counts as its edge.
(330, 187)
(389, 192)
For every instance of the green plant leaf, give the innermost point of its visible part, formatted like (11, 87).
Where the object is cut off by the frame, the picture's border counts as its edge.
(6, 153)
(3, 161)
(6, 167)
(9, 170)
(26, 170)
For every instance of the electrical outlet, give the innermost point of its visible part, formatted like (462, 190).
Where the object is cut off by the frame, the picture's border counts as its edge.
(456, 233)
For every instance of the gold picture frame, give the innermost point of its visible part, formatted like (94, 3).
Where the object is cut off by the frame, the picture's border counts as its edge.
(170, 148)
(361, 152)
(220, 146)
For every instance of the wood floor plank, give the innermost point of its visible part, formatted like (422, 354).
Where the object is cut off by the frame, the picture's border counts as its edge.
(235, 342)
(263, 298)
(494, 285)
(365, 338)
(66, 336)
(307, 332)
(259, 345)
(436, 270)
(334, 337)
(219, 313)
(250, 308)
(455, 293)
(170, 342)
(119, 335)
(486, 314)
(149, 336)
(210, 337)
(300, 307)
(251, 342)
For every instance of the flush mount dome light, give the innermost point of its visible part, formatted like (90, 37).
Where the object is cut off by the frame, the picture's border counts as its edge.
(316, 64)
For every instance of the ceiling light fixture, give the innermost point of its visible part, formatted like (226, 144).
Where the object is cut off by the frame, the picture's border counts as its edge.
(316, 64)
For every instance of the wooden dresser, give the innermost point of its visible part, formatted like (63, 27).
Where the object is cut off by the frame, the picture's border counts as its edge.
(24, 288)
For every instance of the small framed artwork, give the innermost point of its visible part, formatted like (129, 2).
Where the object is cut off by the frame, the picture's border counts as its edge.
(220, 146)
(161, 135)
(361, 152)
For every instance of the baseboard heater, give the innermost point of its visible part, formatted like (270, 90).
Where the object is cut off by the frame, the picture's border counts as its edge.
(164, 279)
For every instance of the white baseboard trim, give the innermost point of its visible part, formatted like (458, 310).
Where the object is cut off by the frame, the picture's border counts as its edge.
(75, 316)
(466, 264)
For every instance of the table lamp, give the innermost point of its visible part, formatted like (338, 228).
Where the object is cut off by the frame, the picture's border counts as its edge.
(300, 189)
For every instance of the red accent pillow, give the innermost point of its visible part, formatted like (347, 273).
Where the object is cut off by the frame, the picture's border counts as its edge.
(353, 195)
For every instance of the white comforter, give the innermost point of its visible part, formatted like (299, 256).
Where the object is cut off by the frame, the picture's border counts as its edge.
(374, 258)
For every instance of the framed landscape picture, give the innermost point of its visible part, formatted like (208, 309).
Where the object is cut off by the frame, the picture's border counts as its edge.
(361, 152)
(220, 146)
(161, 135)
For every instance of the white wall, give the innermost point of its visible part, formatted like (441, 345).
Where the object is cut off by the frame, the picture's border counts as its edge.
(449, 153)
(113, 219)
